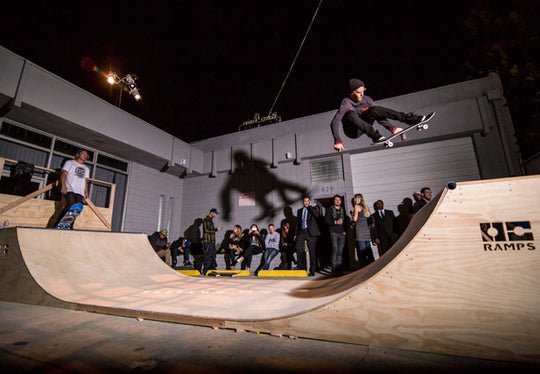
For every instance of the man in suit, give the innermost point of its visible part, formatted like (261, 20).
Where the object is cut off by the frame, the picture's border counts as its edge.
(307, 231)
(384, 232)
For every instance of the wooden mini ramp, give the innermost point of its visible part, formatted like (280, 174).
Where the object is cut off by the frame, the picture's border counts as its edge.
(464, 279)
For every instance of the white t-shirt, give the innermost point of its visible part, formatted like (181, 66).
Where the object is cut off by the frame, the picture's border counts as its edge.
(76, 176)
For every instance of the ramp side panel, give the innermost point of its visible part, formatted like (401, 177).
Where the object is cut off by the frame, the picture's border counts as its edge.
(445, 293)
(16, 282)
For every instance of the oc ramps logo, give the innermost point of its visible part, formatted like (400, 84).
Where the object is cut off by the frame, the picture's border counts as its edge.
(505, 236)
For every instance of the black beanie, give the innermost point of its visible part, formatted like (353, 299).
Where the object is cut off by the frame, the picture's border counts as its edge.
(354, 84)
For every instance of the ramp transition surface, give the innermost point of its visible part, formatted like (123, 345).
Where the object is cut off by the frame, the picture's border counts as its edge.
(463, 279)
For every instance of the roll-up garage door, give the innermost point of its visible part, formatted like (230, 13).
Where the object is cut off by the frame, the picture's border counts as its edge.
(392, 174)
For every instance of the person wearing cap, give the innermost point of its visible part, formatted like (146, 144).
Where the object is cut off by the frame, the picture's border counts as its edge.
(158, 240)
(357, 111)
(209, 241)
(73, 179)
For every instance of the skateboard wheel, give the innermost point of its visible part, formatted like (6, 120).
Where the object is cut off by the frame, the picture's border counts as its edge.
(389, 144)
(425, 126)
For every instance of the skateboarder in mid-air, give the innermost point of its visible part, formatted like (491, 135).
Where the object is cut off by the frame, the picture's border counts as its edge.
(357, 112)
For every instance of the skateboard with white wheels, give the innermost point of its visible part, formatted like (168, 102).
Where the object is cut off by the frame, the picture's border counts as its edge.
(422, 125)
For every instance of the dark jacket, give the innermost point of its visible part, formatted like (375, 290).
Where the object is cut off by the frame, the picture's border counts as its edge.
(331, 217)
(348, 105)
(385, 227)
(419, 205)
(156, 242)
(312, 227)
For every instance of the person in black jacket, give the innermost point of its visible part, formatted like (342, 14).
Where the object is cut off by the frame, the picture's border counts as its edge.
(307, 232)
(158, 240)
(180, 246)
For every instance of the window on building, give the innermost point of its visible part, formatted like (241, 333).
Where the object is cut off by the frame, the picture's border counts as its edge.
(70, 149)
(327, 170)
(112, 162)
(25, 135)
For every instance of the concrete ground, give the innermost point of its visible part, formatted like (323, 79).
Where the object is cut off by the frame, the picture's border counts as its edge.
(51, 340)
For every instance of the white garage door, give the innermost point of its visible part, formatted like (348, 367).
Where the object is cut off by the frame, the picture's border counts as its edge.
(392, 174)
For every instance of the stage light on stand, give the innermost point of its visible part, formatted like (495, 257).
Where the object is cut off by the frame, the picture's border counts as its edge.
(111, 78)
(126, 83)
(136, 94)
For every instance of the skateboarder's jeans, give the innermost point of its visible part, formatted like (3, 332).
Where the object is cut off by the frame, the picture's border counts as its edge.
(73, 198)
(364, 121)
(380, 113)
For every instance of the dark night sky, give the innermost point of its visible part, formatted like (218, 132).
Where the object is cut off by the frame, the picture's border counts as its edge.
(204, 67)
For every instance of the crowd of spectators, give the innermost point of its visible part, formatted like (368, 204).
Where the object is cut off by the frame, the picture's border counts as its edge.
(315, 240)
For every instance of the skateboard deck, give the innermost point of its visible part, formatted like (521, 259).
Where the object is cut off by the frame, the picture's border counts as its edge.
(227, 273)
(422, 125)
(69, 218)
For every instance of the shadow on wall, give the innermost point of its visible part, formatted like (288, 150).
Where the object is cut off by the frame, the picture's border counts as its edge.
(253, 176)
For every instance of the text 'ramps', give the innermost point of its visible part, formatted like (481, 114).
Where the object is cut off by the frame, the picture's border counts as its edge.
(464, 279)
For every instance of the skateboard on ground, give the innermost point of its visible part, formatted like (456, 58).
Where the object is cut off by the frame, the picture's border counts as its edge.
(69, 218)
(227, 273)
(422, 125)
(214, 273)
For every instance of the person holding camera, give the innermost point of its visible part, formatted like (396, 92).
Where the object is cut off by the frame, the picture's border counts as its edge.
(254, 246)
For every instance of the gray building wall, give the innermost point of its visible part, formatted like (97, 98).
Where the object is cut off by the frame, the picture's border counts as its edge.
(209, 173)
(473, 111)
(145, 190)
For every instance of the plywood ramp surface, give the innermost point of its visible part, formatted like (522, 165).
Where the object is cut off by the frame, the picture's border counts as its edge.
(446, 286)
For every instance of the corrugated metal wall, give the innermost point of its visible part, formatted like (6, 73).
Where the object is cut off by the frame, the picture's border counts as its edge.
(393, 174)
